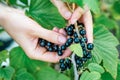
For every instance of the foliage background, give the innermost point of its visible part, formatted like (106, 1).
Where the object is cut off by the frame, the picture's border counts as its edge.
(104, 63)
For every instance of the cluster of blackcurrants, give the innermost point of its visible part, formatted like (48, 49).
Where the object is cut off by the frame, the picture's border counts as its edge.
(73, 37)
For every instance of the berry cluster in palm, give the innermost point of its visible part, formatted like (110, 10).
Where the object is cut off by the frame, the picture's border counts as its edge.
(75, 36)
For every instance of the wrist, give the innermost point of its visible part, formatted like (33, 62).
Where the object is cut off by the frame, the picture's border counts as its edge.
(6, 13)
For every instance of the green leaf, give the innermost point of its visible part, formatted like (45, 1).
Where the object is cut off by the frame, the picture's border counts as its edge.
(50, 74)
(93, 5)
(45, 14)
(24, 1)
(18, 59)
(22, 74)
(107, 76)
(107, 22)
(6, 73)
(3, 55)
(118, 71)
(116, 6)
(79, 2)
(105, 49)
(90, 76)
(12, 2)
(96, 67)
(77, 49)
(69, 1)
(1, 29)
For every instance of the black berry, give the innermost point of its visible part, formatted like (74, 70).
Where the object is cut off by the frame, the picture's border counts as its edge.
(76, 40)
(61, 60)
(90, 46)
(55, 48)
(82, 32)
(68, 63)
(63, 47)
(60, 53)
(63, 66)
(49, 44)
(70, 40)
(42, 43)
(50, 49)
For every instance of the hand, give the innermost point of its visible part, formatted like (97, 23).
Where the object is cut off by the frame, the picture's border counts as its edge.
(26, 33)
(79, 14)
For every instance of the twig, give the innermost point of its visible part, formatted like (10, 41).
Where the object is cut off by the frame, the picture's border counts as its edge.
(76, 75)
(69, 7)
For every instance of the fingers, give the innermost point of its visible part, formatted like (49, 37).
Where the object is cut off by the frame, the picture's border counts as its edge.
(56, 29)
(87, 20)
(41, 54)
(64, 11)
(49, 35)
(62, 31)
(76, 15)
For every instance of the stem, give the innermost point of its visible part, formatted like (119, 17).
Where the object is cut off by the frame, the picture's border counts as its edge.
(69, 7)
(76, 27)
(76, 75)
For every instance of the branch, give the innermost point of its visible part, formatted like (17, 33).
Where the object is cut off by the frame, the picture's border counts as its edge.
(76, 75)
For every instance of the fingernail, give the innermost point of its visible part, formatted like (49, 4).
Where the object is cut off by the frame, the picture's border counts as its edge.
(68, 15)
(73, 21)
(61, 39)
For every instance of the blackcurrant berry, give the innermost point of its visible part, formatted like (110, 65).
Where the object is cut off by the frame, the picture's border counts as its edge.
(90, 46)
(63, 47)
(78, 61)
(70, 40)
(89, 56)
(80, 65)
(68, 63)
(49, 44)
(85, 39)
(55, 48)
(82, 32)
(76, 40)
(84, 59)
(84, 52)
(61, 60)
(50, 49)
(67, 44)
(60, 53)
(72, 26)
(75, 34)
(82, 40)
(63, 66)
(69, 29)
(82, 45)
(69, 33)
(42, 43)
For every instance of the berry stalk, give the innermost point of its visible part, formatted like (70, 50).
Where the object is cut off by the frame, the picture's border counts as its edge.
(76, 75)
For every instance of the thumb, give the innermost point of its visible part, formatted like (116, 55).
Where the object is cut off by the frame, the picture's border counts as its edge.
(51, 36)
(62, 8)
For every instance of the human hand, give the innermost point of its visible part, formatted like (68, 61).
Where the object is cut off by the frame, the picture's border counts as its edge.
(79, 14)
(26, 33)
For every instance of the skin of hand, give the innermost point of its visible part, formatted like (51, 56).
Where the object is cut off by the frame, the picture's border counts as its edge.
(26, 33)
(79, 14)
